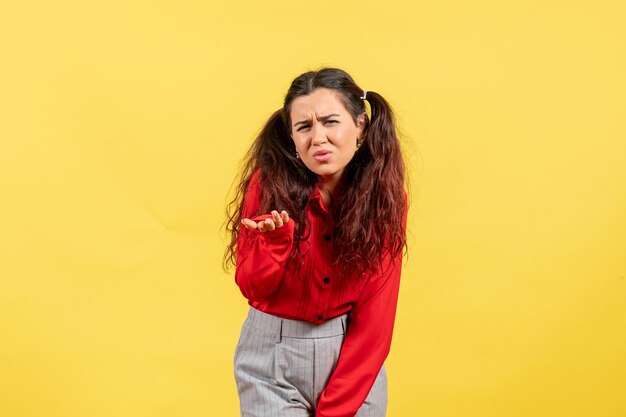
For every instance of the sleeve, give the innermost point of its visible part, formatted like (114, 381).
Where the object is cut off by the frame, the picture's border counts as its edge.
(261, 256)
(367, 342)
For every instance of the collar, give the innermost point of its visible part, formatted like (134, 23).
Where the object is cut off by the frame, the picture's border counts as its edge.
(315, 194)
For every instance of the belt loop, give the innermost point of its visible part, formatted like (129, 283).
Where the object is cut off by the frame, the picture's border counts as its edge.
(279, 331)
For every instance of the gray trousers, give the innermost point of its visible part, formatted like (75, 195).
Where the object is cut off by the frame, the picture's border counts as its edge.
(282, 366)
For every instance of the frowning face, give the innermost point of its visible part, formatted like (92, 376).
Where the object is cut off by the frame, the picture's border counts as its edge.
(324, 133)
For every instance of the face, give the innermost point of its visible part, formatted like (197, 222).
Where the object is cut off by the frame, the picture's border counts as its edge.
(324, 133)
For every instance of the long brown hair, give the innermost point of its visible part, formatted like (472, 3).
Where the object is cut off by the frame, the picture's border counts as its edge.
(368, 212)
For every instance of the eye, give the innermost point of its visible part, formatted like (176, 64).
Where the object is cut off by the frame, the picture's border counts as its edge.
(306, 126)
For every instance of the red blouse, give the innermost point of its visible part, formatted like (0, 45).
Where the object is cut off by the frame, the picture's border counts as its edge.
(318, 294)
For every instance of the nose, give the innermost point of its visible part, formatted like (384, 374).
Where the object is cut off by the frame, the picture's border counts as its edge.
(318, 134)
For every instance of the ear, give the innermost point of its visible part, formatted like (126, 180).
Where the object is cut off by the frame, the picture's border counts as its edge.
(361, 124)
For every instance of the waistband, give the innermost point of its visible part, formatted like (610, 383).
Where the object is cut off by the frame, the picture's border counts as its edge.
(298, 329)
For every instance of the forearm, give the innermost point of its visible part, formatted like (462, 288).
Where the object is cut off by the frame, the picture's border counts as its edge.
(261, 259)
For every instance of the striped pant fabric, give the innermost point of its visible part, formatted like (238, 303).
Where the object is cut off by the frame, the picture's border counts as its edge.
(282, 366)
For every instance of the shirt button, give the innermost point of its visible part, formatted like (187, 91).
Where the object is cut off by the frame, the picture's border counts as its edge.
(327, 238)
(326, 280)
(320, 317)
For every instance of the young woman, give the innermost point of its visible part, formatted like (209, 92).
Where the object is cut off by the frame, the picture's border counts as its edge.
(317, 237)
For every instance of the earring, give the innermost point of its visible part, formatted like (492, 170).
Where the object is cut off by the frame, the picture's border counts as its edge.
(359, 142)
(297, 155)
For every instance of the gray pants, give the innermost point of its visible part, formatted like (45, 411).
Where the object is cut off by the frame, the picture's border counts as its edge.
(282, 366)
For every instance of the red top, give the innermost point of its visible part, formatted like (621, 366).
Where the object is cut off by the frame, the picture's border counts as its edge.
(318, 294)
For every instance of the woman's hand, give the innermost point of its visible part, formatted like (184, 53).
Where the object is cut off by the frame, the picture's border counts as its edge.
(277, 220)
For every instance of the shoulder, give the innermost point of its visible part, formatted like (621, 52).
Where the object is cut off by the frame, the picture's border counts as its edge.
(256, 176)
(252, 197)
(254, 185)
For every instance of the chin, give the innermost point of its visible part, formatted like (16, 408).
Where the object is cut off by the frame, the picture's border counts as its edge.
(326, 171)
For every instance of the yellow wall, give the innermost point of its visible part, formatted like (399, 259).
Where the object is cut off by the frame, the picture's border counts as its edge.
(121, 127)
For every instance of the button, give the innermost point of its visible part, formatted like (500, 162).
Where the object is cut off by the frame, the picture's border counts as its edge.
(326, 280)
(320, 317)
(327, 238)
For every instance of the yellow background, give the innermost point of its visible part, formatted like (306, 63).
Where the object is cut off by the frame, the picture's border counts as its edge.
(122, 125)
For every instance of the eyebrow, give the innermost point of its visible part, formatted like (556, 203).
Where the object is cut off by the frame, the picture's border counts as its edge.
(319, 118)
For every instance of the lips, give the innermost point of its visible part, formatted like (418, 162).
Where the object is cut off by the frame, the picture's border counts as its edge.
(322, 155)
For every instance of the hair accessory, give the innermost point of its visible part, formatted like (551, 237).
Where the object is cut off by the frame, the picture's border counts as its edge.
(364, 96)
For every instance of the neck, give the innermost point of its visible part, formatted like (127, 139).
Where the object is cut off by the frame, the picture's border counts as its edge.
(329, 186)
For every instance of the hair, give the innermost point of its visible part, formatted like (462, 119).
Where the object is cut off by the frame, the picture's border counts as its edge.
(369, 209)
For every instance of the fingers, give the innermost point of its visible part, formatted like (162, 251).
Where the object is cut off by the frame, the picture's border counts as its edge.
(267, 225)
(262, 226)
(249, 224)
(277, 219)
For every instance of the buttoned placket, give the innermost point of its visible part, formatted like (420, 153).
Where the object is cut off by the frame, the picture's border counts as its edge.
(325, 277)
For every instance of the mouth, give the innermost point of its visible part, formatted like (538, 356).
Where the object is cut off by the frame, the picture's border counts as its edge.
(322, 155)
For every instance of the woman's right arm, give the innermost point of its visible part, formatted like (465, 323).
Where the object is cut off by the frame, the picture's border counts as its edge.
(261, 256)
